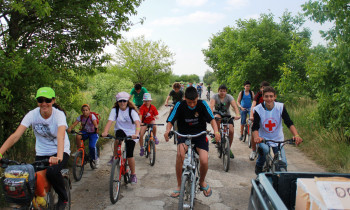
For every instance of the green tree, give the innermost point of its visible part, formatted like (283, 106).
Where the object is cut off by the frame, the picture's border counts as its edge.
(329, 69)
(194, 78)
(52, 43)
(146, 62)
(209, 77)
(254, 50)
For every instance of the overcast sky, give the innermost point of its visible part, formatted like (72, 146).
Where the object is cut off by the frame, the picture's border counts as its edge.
(186, 25)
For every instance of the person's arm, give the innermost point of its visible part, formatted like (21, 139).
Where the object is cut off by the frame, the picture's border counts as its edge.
(167, 99)
(216, 131)
(290, 125)
(212, 104)
(95, 125)
(12, 139)
(255, 128)
(137, 129)
(107, 127)
(61, 134)
(252, 110)
(239, 98)
(234, 105)
(72, 126)
(169, 125)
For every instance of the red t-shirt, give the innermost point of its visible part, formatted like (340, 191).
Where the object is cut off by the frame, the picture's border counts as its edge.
(258, 98)
(148, 113)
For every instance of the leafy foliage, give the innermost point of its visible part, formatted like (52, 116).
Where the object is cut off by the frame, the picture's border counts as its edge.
(209, 77)
(146, 62)
(329, 69)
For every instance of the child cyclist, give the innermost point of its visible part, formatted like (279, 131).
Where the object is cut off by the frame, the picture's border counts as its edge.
(148, 114)
(268, 125)
(244, 102)
(89, 129)
(176, 93)
(127, 124)
(192, 116)
(49, 123)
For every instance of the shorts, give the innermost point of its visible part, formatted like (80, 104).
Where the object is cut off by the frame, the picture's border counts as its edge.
(200, 142)
(244, 116)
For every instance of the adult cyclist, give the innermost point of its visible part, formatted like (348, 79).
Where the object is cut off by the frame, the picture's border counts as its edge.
(138, 92)
(222, 102)
(244, 101)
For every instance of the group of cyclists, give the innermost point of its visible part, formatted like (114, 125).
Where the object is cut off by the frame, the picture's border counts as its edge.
(192, 114)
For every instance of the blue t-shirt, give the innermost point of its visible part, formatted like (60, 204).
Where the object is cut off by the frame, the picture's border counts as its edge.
(246, 101)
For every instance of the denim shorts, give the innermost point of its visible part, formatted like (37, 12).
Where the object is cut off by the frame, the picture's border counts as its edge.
(244, 116)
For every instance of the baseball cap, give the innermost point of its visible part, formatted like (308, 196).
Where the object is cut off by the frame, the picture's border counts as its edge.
(147, 97)
(46, 92)
(122, 96)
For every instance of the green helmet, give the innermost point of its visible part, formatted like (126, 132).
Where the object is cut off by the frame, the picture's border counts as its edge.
(46, 92)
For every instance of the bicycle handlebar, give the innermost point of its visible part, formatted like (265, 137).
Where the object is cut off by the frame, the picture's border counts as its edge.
(289, 141)
(150, 124)
(38, 164)
(79, 133)
(223, 115)
(118, 138)
(189, 136)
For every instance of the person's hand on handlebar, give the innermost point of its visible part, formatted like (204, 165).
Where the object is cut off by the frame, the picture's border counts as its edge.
(166, 135)
(237, 117)
(258, 140)
(217, 136)
(135, 136)
(104, 134)
(297, 139)
(54, 160)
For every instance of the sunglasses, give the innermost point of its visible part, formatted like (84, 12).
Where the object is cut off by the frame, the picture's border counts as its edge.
(41, 100)
(123, 101)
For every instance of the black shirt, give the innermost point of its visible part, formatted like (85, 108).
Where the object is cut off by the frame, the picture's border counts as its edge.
(177, 96)
(191, 121)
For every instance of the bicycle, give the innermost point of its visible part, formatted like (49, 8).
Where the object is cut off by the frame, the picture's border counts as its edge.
(208, 95)
(190, 172)
(247, 132)
(150, 145)
(81, 158)
(174, 127)
(224, 146)
(275, 163)
(120, 168)
(26, 186)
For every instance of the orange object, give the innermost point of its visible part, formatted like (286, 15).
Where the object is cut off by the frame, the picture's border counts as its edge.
(42, 186)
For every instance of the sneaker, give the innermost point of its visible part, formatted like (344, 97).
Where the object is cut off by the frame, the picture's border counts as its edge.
(142, 151)
(61, 205)
(111, 161)
(97, 162)
(258, 169)
(156, 140)
(252, 155)
(231, 155)
(133, 178)
(241, 138)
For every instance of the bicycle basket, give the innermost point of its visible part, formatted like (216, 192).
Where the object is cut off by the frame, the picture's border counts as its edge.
(18, 183)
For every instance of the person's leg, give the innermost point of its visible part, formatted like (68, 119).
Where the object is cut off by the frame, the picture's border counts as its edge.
(253, 154)
(243, 122)
(263, 150)
(180, 156)
(283, 154)
(131, 160)
(78, 140)
(93, 138)
(142, 133)
(54, 176)
(202, 149)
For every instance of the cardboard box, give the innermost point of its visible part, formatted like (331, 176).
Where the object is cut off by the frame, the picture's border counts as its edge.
(322, 193)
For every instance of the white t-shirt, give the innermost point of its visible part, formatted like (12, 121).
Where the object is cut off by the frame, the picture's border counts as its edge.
(45, 131)
(124, 122)
(89, 125)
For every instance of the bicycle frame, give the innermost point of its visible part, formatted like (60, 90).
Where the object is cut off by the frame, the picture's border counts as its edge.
(271, 161)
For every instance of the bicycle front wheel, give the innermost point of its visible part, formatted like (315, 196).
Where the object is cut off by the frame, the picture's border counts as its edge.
(67, 187)
(78, 166)
(114, 181)
(226, 155)
(152, 153)
(185, 192)
(245, 133)
(146, 146)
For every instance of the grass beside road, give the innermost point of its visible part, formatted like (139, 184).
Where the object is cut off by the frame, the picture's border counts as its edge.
(329, 149)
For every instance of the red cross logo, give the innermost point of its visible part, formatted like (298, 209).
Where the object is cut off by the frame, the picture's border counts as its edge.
(270, 125)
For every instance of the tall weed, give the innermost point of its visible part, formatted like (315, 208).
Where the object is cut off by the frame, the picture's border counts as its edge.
(329, 148)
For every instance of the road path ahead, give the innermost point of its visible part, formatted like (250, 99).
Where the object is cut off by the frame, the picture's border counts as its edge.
(231, 189)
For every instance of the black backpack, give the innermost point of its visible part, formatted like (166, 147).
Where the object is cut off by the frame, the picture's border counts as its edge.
(117, 111)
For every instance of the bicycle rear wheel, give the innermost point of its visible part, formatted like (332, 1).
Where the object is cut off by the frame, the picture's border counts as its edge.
(92, 162)
(114, 181)
(226, 155)
(78, 166)
(152, 153)
(52, 199)
(185, 191)
(245, 133)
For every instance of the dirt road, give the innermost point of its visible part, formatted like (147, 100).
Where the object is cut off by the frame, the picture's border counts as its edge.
(231, 189)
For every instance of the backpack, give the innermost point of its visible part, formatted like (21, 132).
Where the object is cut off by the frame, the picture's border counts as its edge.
(90, 117)
(251, 95)
(117, 111)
